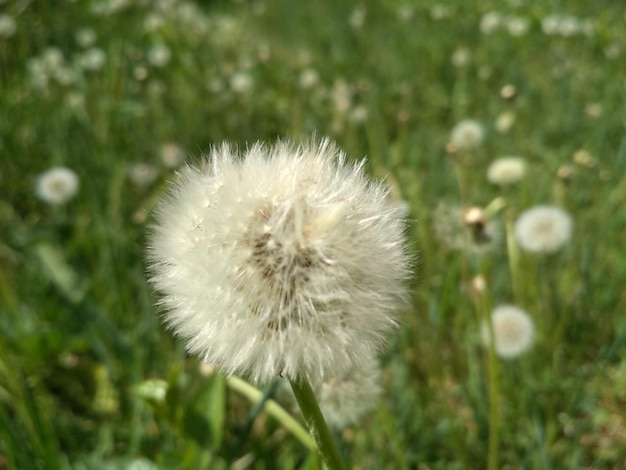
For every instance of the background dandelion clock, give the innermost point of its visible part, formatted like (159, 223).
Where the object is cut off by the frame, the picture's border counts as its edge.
(287, 260)
(513, 331)
(57, 185)
(543, 229)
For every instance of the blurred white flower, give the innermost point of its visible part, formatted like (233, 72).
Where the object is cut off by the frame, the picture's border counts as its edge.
(142, 174)
(543, 229)
(172, 154)
(57, 185)
(490, 22)
(357, 17)
(341, 96)
(93, 59)
(288, 260)
(308, 78)
(439, 11)
(506, 170)
(461, 57)
(513, 331)
(7, 26)
(159, 55)
(517, 26)
(504, 121)
(85, 37)
(358, 114)
(241, 83)
(467, 135)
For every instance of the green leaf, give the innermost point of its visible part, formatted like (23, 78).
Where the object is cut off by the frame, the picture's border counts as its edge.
(204, 415)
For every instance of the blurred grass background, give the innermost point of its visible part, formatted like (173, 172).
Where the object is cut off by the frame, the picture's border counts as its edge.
(90, 379)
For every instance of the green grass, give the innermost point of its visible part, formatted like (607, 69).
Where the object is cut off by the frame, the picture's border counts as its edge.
(81, 342)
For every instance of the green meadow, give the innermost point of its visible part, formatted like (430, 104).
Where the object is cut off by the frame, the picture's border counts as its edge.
(125, 92)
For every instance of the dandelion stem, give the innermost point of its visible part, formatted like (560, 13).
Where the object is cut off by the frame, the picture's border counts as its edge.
(494, 398)
(274, 409)
(314, 418)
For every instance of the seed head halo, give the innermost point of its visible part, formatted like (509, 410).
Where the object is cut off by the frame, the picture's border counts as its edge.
(286, 259)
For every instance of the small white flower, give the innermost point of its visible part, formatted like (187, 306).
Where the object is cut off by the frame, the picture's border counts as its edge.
(504, 121)
(159, 55)
(513, 331)
(461, 57)
(57, 185)
(86, 37)
(7, 26)
(93, 59)
(490, 22)
(543, 229)
(517, 26)
(288, 260)
(142, 174)
(308, 79)
(172, 154)
(241, 83)
(467, 135)
(506, 170)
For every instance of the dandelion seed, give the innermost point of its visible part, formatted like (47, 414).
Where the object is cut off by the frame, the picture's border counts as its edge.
(57, 185)
(467, 135)
(287, 259)
(506, 170)
(513, 331)
(543, 229)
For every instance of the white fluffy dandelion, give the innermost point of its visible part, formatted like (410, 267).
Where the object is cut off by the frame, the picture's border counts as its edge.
(506, 170)
(288, 260)
(57, 185)
(543, 229)
(513, 331)
(467, 135)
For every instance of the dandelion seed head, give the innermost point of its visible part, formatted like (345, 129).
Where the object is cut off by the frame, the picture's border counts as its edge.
(506, 170)
(513, 331)
(467, 135)
(57, 185)
(286, 259)
(543, 229)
